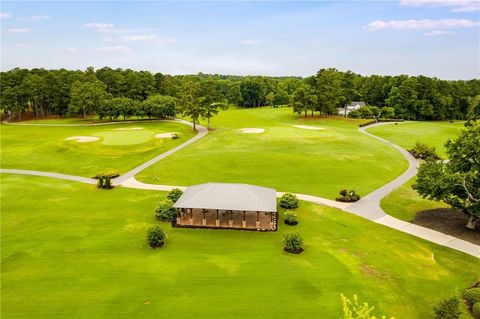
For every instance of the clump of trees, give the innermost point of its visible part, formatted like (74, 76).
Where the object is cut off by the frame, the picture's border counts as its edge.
(456, 181)
(289, 201)
(347, 196)
(98, 92)
(293, 243)
(156, 237)
(373, 112)
(104, 179)
(423, 151)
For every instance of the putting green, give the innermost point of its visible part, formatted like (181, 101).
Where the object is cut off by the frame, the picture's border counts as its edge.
(125, 137)
(73, 251)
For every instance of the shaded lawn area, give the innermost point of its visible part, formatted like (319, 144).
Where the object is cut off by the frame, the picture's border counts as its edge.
(45, 148)
(431, 133)
(284, 157)
(73, 251)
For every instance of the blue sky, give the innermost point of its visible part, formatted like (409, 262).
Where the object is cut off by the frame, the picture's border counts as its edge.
(431, 37)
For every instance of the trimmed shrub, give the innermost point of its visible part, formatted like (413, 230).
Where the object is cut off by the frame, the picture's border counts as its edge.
(165, 212)
(174, 194)
(447, 308)
(107, 174)
(293, 243)
(476, 310)
(423, 151)
(155, 237)
(291, 218)
(289, 201)
(347, 196)
(472, 295)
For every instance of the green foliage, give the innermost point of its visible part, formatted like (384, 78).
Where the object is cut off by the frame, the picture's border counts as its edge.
(456, 182)
(174, 194)
(86, 97)
(289, 201)
(423, 151)
(155, 236)
(159, 106)
(472, 295)
(104, 179)
(165, 212)
(353, 309)
(476, 310)
(447, 308)
(291, 218)
(107, 174)
(347, 196)
(293, 243)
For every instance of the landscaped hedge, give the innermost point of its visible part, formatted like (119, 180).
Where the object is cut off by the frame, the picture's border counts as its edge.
(472, 295)
(476, 310)
(289, 201)
(380, 120)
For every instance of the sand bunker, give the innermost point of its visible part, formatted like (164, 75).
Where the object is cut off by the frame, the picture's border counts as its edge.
(250, 130)
(306, 127)
(128, 129)
(83, 139)
(165, 135)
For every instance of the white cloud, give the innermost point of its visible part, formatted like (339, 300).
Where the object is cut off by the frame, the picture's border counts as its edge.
(18, 30)
(115, 49)
(437, 33)
(5, 15)
(249, 42)
(149, 38)
(456, 5)
(71, 49)
(98, 26)
(35, 18)
(421, 24)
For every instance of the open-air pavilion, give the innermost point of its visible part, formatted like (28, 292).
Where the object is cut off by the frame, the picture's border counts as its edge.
(232, 206)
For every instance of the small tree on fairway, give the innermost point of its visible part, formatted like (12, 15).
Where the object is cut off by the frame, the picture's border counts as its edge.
(447, 308)
(291, 218)
(155, 237)
(174, 194)
(293, 243)
(289, 201)
(165, 212)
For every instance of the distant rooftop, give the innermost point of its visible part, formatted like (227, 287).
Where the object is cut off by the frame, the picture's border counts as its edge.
(224, 196)
(354, 103)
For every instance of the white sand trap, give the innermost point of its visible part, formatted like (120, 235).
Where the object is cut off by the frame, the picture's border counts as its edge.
(128, 129)
(250, 130)
(83, 139)
(165, 135)
(306, 127)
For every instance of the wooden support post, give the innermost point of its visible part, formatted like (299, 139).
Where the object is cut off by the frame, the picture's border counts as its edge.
(244, 222)
(257, 224)
(204, 220)
(217, 222)
(230, 219)
(191, 216)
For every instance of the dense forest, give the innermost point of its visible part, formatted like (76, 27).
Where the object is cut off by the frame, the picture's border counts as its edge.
(113, 93)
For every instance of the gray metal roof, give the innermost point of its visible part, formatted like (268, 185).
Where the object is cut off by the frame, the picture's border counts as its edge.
(225, 196)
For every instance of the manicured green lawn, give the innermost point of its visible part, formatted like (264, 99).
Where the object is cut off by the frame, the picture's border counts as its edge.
(404, 202)
(118, 148)
(431, 133)
(318, 162)
(71, 251)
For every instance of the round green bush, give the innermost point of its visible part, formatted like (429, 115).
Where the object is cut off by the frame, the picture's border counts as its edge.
(289, 201)
(476, 310)
(293, 243)
(175, 194)
(291, 218)
(472, 295)
(155, 237)
(165, 212)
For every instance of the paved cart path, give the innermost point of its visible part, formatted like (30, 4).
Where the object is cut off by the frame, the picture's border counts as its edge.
(368, 207)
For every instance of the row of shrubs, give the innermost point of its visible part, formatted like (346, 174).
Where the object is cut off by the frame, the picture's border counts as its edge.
(380, 120)
(347, 196)
(292, 241)
(423, 151)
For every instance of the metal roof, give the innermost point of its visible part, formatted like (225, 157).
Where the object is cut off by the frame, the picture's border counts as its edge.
(225, 196)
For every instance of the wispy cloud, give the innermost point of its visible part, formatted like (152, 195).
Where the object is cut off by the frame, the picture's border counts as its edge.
(34, 18)
(5, 15)
(435, 33)
(19, 30)
(421, 24)
(115, 49)
(112, 29)
(149, 38)
(456, 5)
(249, 42)
(98, 26)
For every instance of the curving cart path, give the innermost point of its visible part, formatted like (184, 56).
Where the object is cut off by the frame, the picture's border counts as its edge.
(368, 207)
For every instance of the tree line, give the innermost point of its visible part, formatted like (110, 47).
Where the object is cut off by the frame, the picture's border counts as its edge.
(113, 93)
